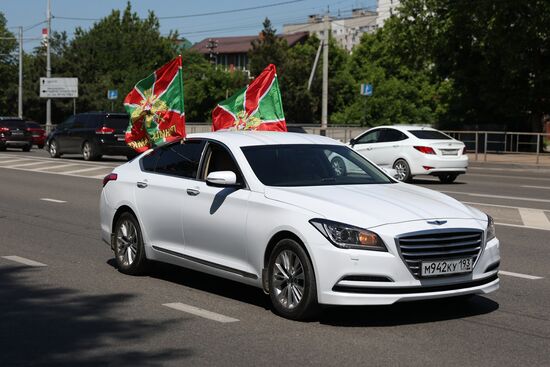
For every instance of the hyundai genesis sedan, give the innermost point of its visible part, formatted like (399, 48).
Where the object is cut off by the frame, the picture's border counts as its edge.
(269, 209)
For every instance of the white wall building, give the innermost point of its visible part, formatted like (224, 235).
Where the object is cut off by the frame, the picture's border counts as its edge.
(385, 9)
(347, 31)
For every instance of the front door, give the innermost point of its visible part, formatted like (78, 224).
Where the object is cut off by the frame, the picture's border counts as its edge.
(214, 218)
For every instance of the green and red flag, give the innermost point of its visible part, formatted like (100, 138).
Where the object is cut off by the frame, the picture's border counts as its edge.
(257, 107)
(155, 106)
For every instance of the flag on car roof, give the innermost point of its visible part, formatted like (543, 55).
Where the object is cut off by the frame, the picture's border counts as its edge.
(155, 106)
(257, 107)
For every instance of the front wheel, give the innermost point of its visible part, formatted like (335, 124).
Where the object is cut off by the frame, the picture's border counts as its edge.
(338, 166)
(128, 245)
(89, 152)
(448, 178)
(27, 148)
(292, 287)
(403, 170)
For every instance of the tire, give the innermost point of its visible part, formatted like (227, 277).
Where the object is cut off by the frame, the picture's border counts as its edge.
(338, 166)
(2, 148)
(27, 148)
(403, 170)
(89, 152)
(53, 148)
(285, 274)
(128, 245)
(448, 178)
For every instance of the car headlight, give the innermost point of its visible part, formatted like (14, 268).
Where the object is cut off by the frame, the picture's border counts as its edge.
(490, 229)
(346, 236)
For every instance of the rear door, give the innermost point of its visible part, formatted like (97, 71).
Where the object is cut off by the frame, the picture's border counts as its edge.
(160, 191)
(62, 134)
(366, 144)
(391, 147)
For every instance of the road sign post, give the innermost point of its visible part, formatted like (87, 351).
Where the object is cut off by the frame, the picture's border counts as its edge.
(112, 95)
(366, 90)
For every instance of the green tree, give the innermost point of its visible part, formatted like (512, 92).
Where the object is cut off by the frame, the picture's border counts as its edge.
(8, 71)
(267, 49)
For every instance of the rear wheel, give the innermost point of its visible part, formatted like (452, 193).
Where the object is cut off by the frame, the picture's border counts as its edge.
(89, 152)
(292, 287)
(338, 166)
(128, 245)
(448, 177)
(54, 149)
(2, 148)
(403, 170)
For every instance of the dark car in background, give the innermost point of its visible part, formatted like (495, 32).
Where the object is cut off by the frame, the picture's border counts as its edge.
(14, 134)
(92, 134)
(37, 132)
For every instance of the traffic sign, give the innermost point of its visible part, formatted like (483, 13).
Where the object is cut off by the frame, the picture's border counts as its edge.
(112, 94)
(366, 89)
(58, 87)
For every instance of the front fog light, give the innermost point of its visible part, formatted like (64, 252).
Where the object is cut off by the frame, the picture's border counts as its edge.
(490, 229)
(346, 236)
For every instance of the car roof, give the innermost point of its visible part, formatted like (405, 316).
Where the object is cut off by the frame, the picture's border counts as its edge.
(407, 127)
(251, 138)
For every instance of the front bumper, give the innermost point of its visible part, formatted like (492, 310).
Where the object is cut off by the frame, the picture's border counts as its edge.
(361, 277)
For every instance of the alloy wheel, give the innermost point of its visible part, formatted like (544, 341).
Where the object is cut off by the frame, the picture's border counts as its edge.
(402, 170)
(53, 148)
(86, 151)
(288, 279)
(127, 243)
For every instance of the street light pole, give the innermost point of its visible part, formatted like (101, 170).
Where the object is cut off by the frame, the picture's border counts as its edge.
(324, 103)
(20, 91)
(48, 67)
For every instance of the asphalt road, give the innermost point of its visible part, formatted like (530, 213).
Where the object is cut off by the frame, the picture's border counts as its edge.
(73, 307)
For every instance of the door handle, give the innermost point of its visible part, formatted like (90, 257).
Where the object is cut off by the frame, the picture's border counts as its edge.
(141, 185)
(369, 149)
(396, 146)
(193, 191)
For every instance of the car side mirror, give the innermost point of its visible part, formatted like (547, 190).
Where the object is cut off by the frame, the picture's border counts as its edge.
(222, 179)
(390, 172)
(352, 142)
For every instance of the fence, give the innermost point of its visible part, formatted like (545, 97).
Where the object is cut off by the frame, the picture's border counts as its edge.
(477, 142)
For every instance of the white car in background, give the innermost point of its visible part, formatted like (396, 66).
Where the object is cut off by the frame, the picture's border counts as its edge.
(413, 150)
(268, 209)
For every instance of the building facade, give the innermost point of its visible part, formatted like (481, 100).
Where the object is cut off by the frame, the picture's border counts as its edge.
(385, 9)
(346, 31)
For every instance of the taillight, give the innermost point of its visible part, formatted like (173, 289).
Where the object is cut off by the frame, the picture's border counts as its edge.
(109, 177)
(4, 129)
(425, 150)
(105, 130)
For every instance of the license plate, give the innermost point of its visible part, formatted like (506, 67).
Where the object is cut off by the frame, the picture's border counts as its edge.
(17, 133)
(120, 138)
(444, 267)
(449, 152)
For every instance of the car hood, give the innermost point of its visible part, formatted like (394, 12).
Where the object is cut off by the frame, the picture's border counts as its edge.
(370, 206)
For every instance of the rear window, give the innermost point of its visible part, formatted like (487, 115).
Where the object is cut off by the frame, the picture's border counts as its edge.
(13, 124)
(430, 134)
(33, 125)
(117, 122)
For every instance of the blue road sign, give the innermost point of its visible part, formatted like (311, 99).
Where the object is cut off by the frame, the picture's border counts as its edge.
(366, 89)
(112, 94)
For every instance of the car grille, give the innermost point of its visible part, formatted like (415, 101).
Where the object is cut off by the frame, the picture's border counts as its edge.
(438, 245)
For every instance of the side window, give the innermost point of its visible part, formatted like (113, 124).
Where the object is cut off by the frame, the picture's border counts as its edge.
(218, 158)
(180, 159)
(93, 121)
(370, 137)
(67, 124)
(149, 162)
(79, 121)
(393, 135)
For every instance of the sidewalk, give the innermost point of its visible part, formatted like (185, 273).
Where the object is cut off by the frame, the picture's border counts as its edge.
(512, 158)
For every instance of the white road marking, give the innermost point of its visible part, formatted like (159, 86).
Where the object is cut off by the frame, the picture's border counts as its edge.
(200, 312)
(23, 260)
(534, 218)
(520, 226)
(58, 160)
(24, 165)
(497, 205)
(53, 167)
(519, 275)
(509, 177)
(53, 200)
(99, 176)
(497, 196)
(13, 160)
(84, 170)
(536, 187)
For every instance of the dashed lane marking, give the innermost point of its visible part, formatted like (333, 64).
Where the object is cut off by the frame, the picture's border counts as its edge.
(23, 260)
(200, 312)
(536, 187)
(534, 218)
(83, 170)
(519, 275)
(53, 200)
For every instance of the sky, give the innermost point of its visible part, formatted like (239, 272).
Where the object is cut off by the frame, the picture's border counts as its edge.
(194, 27)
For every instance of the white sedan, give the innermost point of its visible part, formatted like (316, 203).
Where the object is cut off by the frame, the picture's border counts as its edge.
(413, 150)
(268, 209)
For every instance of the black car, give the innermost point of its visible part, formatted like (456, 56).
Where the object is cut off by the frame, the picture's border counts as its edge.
(92, 134)
(14, 134)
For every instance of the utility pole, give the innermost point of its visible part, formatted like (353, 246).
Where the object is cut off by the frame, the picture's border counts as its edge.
(48, 66)
(324, 103)
(20, 94)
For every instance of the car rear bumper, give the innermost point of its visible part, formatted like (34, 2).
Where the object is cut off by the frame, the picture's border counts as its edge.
(428, 164)
(15, 143)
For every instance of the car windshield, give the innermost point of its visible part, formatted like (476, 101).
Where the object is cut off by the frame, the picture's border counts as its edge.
(311, 165)
(117, 121)
(430, 134)
(13, 124)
